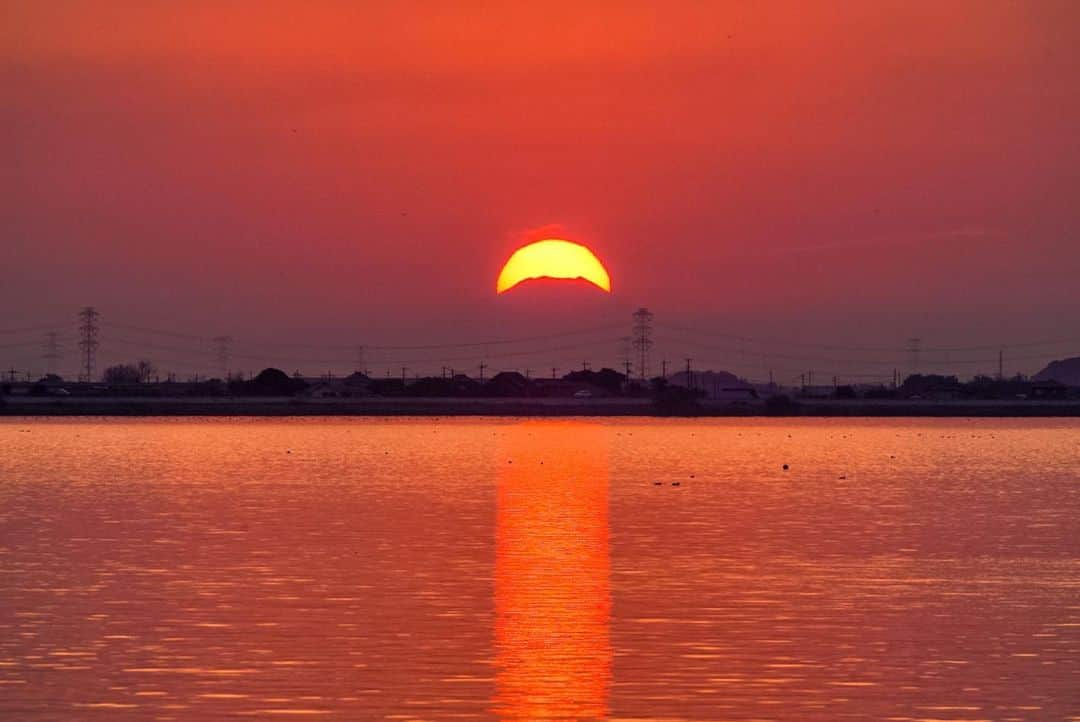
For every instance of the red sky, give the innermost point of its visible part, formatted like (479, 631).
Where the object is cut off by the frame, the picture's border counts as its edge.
(854, 172)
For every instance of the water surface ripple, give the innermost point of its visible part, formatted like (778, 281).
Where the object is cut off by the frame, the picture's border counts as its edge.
(631, 569)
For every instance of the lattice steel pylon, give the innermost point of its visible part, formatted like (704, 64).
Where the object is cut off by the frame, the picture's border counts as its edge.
(642, 339)
(88, 341)
(51, 349)
(223, 354)
(914, 351)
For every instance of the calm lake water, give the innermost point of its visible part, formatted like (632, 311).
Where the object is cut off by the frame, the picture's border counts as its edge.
(430, 569)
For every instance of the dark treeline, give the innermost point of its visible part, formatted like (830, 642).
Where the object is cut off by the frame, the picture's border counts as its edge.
(944, 388)
(140, 380)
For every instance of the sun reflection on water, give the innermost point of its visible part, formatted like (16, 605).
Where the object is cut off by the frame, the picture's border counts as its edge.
(552, 574)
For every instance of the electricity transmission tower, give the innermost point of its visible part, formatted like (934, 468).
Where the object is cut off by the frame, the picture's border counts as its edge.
(914, 350)
(625, 344)
(643, 339)
(223, 354)
(88, 341)
(52, 352)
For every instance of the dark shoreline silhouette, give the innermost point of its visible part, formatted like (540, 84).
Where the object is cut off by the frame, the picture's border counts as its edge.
(287, 406)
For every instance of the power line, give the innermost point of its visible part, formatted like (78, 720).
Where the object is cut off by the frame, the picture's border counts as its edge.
(882, 349)
(795, 371)
(758, 340)
(217, 352)
(791, 357)
(854, 373)
(33, 329)
(352, 348)
(498, 342)
(156, 331)
(344, 360)
(20, 344)
(856, 361)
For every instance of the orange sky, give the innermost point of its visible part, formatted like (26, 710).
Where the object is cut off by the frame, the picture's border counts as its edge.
(856, 171)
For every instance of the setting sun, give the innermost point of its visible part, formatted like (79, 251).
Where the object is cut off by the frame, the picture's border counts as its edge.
(553, 258)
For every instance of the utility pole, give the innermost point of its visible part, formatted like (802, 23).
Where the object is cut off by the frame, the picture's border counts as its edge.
(403, 370)
(585, 365)
(482, 367)
(223, 354)
(663, 369)
(88, 341)
(527, 374)
(1001, 364)
(626, 364)
(771, 384)
(642, 339)
(52, 352)
(359, 358)
(553, 372)
(689, 378)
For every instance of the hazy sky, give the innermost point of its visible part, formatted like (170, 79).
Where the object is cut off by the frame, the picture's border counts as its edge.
(850, 173)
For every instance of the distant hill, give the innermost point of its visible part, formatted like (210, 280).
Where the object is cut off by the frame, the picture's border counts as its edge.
(717, 385)
(1065, 371)
(708, 379)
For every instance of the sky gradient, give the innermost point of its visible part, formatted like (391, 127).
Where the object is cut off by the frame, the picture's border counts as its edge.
(858, 172)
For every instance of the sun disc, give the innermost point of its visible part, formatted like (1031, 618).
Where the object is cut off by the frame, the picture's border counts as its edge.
(553, 258)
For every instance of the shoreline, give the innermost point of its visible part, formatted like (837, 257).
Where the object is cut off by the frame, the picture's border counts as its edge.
(379, 406)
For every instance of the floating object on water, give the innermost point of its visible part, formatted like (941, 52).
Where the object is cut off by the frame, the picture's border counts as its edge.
(657, 483)
(785, 467)
(676, 483)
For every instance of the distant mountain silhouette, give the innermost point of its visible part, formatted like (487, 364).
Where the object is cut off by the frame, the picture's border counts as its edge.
(708, 379)
(714, 384)
(1065, 371)
(553, 306)
(269, 382)
(546, 284)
